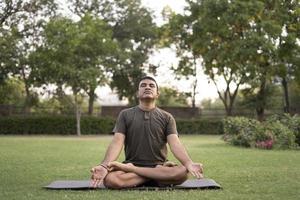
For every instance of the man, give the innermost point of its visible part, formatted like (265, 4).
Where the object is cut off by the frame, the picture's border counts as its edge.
(144, 130)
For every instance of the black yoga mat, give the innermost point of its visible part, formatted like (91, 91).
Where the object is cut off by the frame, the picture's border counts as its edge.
(85, 185)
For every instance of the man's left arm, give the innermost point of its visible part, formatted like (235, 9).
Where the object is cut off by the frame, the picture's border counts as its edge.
(177, 148)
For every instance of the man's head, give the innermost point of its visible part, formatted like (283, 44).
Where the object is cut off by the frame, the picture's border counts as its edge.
(148, 88)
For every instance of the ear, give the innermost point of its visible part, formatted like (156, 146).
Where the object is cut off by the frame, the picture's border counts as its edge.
(157, 94)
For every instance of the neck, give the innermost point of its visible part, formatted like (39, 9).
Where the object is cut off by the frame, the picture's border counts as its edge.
(147, 106)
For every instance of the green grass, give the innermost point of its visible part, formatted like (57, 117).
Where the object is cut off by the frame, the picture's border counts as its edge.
(28, 163)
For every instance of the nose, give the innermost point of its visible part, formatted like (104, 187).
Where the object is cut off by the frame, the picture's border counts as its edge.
(148, 87)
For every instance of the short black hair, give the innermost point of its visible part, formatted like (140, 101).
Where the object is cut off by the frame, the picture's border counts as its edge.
(150, 78)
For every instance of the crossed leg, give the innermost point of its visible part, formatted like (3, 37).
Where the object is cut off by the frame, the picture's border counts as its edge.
(128, 175)
(121, 179)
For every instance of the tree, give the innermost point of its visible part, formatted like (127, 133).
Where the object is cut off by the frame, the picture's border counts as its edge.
(74, 55)
(269, 28)
(8, 34)
(294, 89)
(12, 92)
(175, 33)
(171, 97)
(288, 50)
(8, 39)
(247, 98)
(238, 42)
(217, 31)
(23, 21)
(135, 32)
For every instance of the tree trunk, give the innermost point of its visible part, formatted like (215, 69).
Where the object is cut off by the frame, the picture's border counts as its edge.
(27, 104)
(228, 111)
(194, 96)
(194, 84)
(78, 115)
(91, 102)
(261, 99)
(286, 95)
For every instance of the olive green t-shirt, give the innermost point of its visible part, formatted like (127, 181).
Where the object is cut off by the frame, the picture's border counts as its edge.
(145, 135)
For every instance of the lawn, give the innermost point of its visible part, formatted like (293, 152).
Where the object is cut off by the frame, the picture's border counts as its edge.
(28, 163)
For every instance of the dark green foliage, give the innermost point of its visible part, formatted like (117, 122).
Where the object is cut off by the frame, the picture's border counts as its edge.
(242, 131)
(200, 127)
(292, 123)
(279, 131)
(56, 125)
(171, 97)
(63, 125)
(283, 136)
(95, 125)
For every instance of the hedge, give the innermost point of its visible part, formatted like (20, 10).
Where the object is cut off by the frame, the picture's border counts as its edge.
(200, 126)
(64, 125)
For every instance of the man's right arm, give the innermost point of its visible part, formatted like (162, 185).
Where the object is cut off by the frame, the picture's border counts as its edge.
(114, 149)
(112, 153)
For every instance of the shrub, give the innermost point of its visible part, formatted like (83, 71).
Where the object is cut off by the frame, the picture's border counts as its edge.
(277, 131)
(291, 122)
(284, 138)
(243, 131)
(296, 128)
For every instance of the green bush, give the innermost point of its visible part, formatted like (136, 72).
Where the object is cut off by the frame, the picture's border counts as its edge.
(283, 136)
(296, 129)
(200, 126)
(66, 125)
(243, 131)
(292, 122)
(277, 132)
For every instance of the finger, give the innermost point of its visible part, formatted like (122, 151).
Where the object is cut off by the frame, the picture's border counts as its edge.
(96, 180)
(201, 169)
(92, 183)
(193, 173)
(199, 175)
(111, 169)
(95, 183)
(196, 174)
(92, 170)
(100, 183)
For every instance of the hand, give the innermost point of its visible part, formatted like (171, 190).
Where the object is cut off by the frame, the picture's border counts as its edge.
(98, 174)
(196, 169)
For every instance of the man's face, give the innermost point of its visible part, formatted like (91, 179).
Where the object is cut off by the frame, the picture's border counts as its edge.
(147, 90)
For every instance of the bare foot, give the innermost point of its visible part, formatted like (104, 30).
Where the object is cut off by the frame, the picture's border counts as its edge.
(170, 164)
(117, 166)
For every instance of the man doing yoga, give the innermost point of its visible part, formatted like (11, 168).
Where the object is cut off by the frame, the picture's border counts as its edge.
(144, 131)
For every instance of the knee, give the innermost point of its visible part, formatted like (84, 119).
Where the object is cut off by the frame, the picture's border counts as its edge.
(113, 181)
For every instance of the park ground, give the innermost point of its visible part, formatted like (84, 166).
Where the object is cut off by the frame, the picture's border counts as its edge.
(30, 162)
